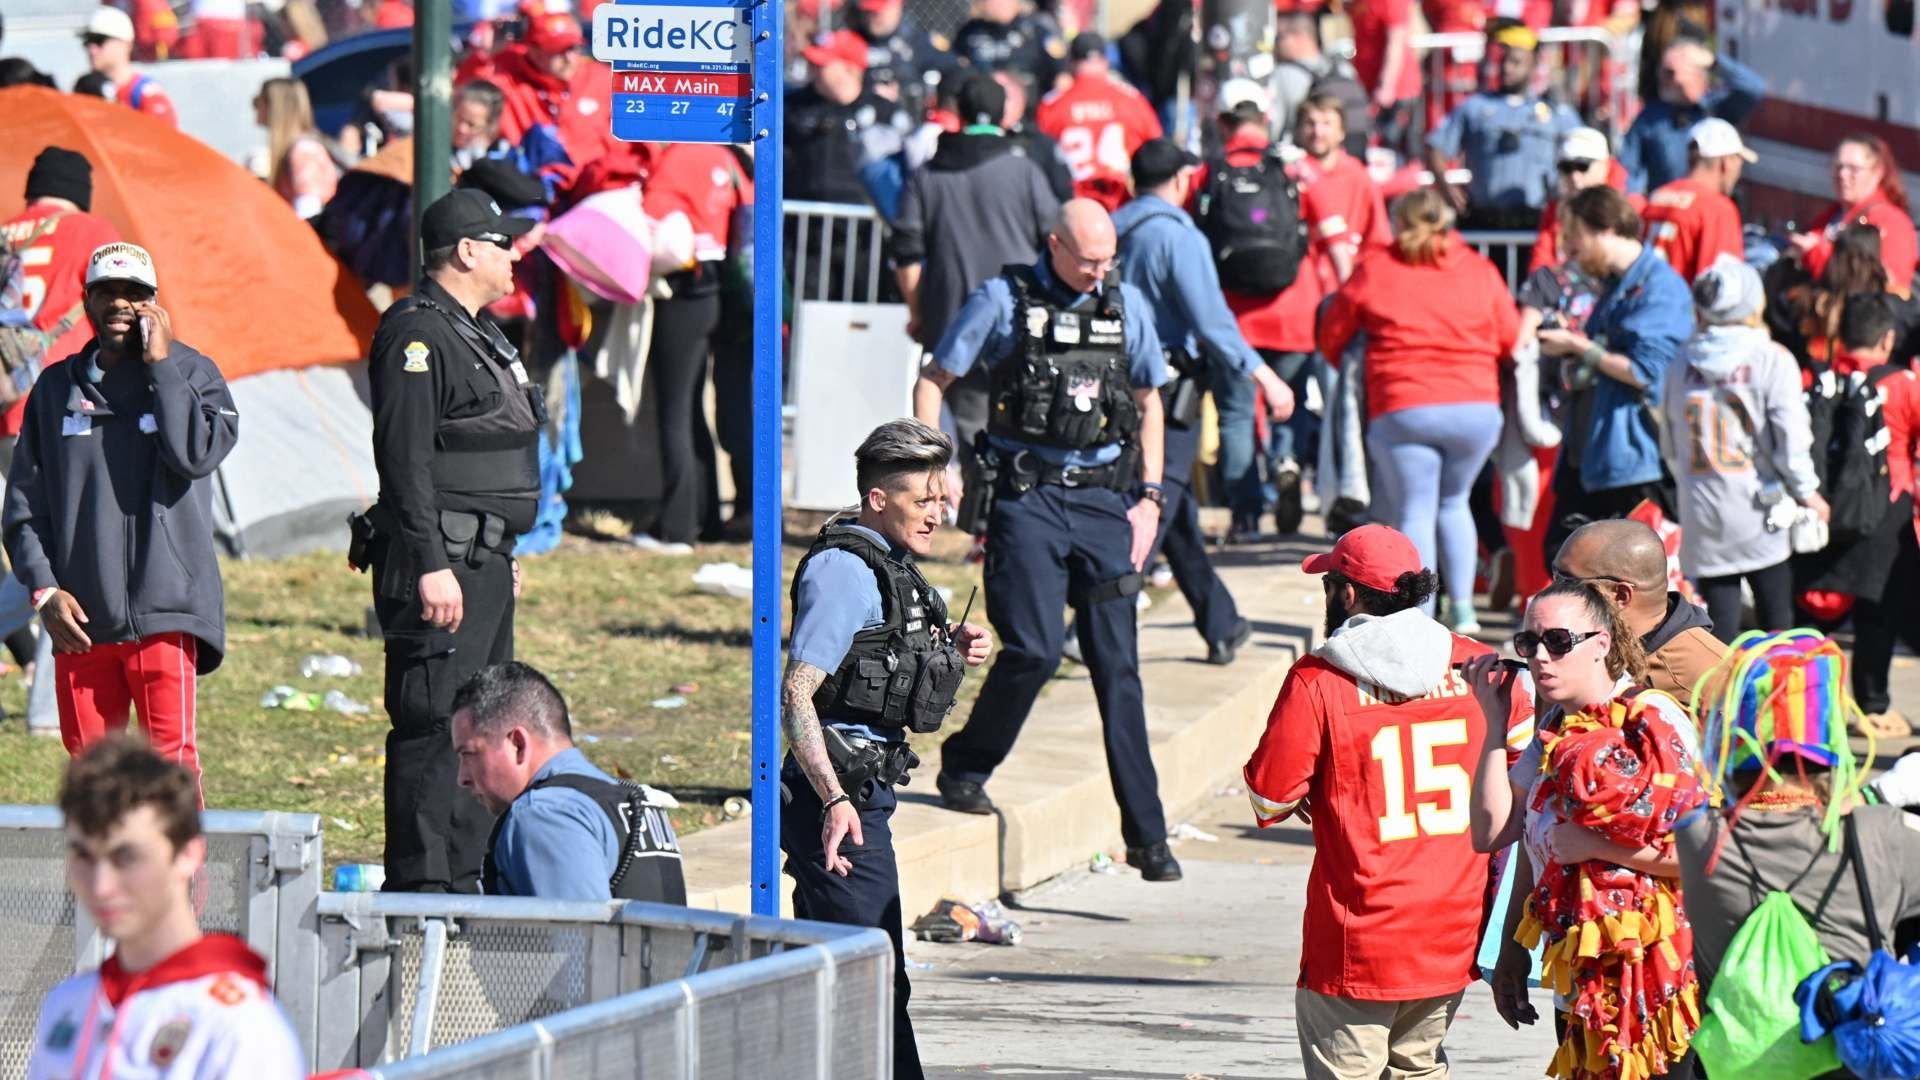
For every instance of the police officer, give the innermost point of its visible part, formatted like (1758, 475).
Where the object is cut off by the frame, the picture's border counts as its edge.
(456, 441)
(1505, 136)
(834, 125)
(905, 63)
(1166, 256)
(1002, 37)
(872, 658)
(1071, 461)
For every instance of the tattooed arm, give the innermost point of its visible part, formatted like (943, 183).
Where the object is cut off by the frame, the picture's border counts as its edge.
(809, 750)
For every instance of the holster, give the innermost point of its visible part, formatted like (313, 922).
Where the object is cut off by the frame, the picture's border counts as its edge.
(863, 768)
(976, 502)
(469, 537)
(1180, 397)
(360, 537)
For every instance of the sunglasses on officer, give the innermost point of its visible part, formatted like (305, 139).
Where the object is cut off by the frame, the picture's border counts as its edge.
(504, 243)
(1558, 641)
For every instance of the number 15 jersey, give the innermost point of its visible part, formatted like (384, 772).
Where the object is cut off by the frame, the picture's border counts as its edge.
(1378, 732)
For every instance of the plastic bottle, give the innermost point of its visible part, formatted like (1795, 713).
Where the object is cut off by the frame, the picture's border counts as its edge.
(359, 877)
(324, 666)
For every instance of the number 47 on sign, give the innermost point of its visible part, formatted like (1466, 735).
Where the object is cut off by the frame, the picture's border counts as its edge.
(683, 72)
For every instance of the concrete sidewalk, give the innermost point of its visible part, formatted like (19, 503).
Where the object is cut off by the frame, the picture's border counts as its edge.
(1116, 978)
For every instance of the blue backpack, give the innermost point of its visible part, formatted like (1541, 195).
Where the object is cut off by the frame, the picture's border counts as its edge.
(1873, 1013)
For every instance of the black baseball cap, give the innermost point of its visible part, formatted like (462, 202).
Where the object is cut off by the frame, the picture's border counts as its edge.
(468, 214)
(982, 100)
(1158, 161)
(1086, 45)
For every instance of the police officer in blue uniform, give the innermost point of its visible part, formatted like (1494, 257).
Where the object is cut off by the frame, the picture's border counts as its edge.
(1071, 462)
(905, 63)
(1166, 256)
(1505, 136)
(872, 658)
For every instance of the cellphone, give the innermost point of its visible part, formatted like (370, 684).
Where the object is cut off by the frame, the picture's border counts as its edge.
(146, 331)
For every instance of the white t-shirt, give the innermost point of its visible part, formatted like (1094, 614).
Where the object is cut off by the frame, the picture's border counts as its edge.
(200, 1014)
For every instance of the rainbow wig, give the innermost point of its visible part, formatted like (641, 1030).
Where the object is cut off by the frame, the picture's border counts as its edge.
(1780, 698)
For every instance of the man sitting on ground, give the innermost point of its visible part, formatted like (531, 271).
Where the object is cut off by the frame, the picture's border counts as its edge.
(1626, 559)
(566, 831)
(170, 1001)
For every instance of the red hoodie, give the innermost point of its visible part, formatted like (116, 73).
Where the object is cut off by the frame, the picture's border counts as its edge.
(1435, 334)
(579, 108)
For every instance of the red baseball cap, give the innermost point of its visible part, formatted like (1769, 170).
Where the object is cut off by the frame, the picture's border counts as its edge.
(841, 47)
(877, 5)
(555, 32)
(1371, 555)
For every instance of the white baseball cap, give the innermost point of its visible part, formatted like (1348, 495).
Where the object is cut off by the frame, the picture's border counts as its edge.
(1715, 138)
(1242, 91)
(1584, 144)
(109, 22)
(122, 262)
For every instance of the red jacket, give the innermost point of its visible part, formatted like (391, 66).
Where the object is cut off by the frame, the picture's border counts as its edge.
(579, 109)
(703, 181)
(1691, 225)
(1899, 251)
(1099, 123)
(1435, 334)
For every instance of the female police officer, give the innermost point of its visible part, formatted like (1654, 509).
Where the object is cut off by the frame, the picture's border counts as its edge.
(872, 657)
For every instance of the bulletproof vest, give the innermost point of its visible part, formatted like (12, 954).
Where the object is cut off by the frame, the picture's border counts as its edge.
(903, 673)
(1068, 384)
(498, 451)
(649, 867)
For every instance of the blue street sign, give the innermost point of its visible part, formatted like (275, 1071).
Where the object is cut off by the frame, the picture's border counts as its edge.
(682, 72)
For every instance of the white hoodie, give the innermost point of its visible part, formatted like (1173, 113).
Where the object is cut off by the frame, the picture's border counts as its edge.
(1407, 654)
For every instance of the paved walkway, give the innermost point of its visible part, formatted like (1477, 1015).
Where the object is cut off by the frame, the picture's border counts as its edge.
(1117, 978)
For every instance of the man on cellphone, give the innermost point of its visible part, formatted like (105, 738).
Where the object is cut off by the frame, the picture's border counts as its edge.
(109, 514)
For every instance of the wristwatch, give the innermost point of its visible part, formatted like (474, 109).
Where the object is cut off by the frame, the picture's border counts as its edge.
(1153, 494)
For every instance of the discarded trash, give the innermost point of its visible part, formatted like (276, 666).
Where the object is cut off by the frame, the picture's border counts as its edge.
(320, 665)
(953, 920)
(670, 761)
(724, 579)
(585, 738)
(920, 965)
(286, 697)
(685, 688)
(358, 877)
(1102, 863)
(344, 705)
(736, 807)
(660, 547)
(1231, 791)
(343, 823)
(995, 978)
(674, 701)
(1186, 830)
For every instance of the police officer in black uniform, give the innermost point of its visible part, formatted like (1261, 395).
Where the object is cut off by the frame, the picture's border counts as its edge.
(871, 659)
(1002, 37)
(1071, 467)
(834, 125)
(456, 426)
(905, 63)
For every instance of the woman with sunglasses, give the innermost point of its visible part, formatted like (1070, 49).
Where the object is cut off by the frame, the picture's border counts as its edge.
(1596, 875)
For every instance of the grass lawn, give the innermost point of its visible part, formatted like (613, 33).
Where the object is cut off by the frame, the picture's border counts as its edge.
(614, 628)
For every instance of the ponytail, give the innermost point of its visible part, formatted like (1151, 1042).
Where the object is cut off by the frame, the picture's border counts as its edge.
(1422, 226)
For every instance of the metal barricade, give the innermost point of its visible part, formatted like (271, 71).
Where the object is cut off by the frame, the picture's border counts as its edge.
(263, 875)
(837, 252)
(592, 990)
(1509, 249)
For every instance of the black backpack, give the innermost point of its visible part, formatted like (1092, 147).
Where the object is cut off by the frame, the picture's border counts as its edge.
(1356, 104)
(1251, 215)
(1850, 448)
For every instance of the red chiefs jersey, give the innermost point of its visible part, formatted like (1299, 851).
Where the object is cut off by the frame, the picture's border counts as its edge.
(54, 267)
(1691, 225)
(1397, 893)
(577, 108)
(703, 181)
(1342, 208)
(142, 94)
(1899, 251)
(1372, 19)
(1099, 121)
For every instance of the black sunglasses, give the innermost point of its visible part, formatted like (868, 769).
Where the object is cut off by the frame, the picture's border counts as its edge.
(95, 39)
(1559, 642)
(1574, 165)
(504, 243)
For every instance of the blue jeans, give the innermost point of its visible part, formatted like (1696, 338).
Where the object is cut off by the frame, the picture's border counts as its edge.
(1423, 461)
(1299, 437)
(1233, 399)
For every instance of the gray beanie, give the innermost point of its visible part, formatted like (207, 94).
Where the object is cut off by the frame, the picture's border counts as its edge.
(1728, 293)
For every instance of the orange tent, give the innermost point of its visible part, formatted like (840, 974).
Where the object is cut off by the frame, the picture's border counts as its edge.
(246, 281)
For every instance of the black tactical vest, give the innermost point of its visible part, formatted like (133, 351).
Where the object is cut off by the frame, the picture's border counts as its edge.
(649, 866)
(1068, 384)
(903, 673)
(498, 451)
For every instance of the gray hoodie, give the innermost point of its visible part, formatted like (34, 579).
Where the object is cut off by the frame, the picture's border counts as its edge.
(110, 495)
(1406, 653)
(1735, 426)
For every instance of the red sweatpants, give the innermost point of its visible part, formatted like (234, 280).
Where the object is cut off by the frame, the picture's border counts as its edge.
(98, 690)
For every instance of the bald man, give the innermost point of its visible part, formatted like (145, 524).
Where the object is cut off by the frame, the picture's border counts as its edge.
(1627, 561)
(1071, 467)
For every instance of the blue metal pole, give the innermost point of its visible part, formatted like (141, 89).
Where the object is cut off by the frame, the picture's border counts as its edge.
(768, 528)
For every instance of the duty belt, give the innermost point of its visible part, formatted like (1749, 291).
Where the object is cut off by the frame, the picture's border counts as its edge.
(1024, 470)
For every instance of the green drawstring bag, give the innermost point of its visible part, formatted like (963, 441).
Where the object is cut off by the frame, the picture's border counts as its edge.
(1752, 1026)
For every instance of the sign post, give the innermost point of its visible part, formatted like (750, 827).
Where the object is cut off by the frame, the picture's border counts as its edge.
(709, 71)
